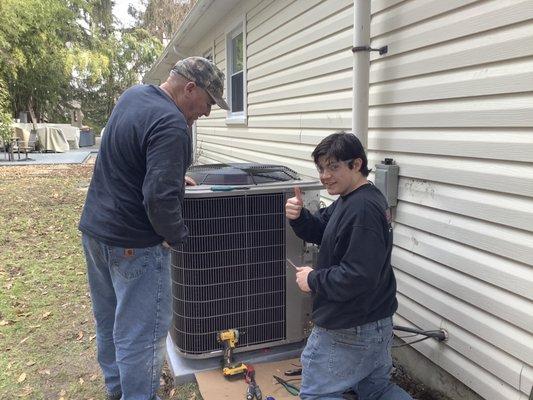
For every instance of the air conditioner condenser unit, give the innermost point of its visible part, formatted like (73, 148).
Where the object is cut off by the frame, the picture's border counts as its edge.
(233, 273)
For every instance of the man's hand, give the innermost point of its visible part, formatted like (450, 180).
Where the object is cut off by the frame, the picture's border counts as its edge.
(301, 278)
(294, 205)
(189, 181)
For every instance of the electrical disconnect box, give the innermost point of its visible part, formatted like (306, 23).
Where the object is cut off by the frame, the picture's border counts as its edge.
(386, 180)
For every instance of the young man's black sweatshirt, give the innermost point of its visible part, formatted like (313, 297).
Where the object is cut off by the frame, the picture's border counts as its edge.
(353, 282)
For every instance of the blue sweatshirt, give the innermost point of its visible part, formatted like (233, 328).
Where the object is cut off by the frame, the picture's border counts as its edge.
(136, 193)
(353, 282)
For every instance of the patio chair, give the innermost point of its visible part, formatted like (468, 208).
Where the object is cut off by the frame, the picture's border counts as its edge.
(23, 142)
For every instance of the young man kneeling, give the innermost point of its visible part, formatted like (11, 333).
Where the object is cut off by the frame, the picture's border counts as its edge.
(353, 284)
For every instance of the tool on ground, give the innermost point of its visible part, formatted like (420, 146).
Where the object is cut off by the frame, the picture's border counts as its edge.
(230, 369)
(289, 387)
(293, 372)
(253, 391)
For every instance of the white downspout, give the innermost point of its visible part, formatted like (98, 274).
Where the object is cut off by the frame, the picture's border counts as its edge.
(361, 66)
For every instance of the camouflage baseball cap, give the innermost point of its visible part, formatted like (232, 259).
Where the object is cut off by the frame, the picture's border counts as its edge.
(205, 74)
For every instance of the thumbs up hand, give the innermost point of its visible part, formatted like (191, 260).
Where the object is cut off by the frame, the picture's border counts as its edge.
(294, 205)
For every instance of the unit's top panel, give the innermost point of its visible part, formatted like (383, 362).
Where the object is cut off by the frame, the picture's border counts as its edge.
(242, 178)
(241, 174)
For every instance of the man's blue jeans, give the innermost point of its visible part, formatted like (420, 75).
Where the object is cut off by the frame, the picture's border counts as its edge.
(359, 358)
(132, 304)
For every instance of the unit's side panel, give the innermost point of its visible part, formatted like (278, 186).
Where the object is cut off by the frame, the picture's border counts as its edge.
(452, 103)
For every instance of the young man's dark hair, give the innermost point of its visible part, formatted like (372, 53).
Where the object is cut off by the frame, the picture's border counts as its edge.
(342, 146)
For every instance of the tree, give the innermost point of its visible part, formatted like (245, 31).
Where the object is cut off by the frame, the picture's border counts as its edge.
(162, 18)
(121, 61)
(5, 115)
(54, 51)
(33, 34)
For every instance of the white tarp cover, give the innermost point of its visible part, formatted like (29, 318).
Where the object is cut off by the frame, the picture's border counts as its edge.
(52, 139)
(71, 133)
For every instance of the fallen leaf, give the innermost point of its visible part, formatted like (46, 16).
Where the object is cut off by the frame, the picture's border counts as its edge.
(23, 340)
(93, 377)
(172, 392)
(4, 322)
(80, 335)
(44, 372)
(81, 381)
(47, 314)
(63, 392)
(91, 338)
(30, 363)
(25, 392)
(22, 377)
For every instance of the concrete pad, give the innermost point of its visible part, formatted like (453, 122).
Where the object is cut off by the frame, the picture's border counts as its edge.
(183, 369)
(70, 157)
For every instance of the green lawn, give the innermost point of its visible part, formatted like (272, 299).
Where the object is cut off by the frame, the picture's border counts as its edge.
(47, 338)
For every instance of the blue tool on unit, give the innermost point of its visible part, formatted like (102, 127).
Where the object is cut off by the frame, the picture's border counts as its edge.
(224, 188)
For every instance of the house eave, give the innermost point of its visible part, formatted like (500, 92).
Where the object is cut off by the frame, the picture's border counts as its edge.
(187, 36)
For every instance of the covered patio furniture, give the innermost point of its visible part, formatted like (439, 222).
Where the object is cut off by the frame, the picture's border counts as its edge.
(52, 139)
(71, 133)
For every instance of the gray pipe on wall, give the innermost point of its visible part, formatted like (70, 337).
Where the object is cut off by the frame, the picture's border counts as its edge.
(361, 66)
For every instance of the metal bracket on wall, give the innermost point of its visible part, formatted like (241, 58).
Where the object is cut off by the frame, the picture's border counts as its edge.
(382, 50)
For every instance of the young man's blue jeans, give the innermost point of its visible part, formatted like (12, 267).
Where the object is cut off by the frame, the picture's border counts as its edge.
(132, 304)
(359, 358)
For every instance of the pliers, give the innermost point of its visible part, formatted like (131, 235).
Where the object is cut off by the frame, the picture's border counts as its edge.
(289, 387)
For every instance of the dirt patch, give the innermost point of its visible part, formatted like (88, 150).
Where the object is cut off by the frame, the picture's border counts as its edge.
(415, 388)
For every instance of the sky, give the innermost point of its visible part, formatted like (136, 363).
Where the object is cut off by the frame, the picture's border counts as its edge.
(120, 11)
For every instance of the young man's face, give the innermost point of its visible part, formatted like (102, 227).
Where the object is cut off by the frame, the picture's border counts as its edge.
(337, 176)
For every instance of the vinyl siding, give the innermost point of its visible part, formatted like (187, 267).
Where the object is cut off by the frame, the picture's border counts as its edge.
(452, 103)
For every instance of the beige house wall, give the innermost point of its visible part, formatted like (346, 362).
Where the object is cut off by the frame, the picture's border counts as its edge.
(452, 103)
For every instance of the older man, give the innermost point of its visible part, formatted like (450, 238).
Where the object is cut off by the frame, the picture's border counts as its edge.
(133, 214)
